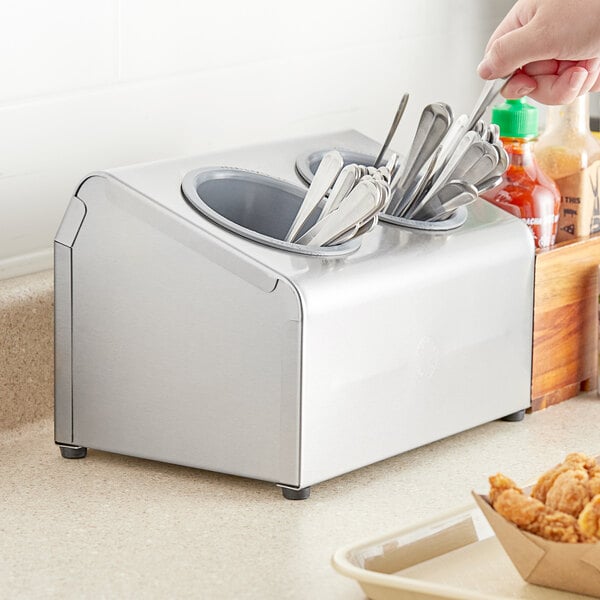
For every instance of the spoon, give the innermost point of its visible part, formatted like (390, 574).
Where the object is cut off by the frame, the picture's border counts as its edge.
(503, 158)
(489, 184)
(441, 179)
(456, 132)
(490, 90)
(343, 185)
(362, 202)
(345, 237)
(423, 185)
(392, 131)
(483, 168)
(328, 170)
(437, 201)
(392, 164)
(462, 199)
(493, 132)
(470, 157)
(359, 230)
(433, 126)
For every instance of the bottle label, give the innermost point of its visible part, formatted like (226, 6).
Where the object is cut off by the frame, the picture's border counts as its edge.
(579, 203)
(545, 220)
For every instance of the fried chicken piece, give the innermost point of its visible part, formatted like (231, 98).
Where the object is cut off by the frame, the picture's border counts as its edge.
(589, 519)
(557, 499)
(580, 460)
(594, 483)
(569, 492)
(573, 461)
(556, 526)
(522, 510)
(498, 484)
(593, 471)
(544, 483)
(531, 515)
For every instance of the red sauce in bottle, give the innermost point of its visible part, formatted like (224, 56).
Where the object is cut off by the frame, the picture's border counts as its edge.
(527, 192)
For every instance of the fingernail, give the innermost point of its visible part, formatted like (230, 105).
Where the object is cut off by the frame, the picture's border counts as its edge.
(484, 70)
(523, 91)
(577, 79)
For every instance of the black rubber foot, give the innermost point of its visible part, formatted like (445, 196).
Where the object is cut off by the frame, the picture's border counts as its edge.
(301, 494)
(73, 451)
(516, 416)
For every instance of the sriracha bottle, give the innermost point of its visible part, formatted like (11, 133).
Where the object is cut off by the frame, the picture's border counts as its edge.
(526, 191)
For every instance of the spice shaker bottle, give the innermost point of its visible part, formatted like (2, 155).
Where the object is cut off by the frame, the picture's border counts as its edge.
(570, 154)
(525, 191)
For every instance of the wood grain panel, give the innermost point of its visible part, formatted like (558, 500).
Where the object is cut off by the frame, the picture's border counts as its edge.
(565, 322)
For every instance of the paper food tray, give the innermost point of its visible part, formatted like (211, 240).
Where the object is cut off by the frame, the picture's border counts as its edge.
(456, 555)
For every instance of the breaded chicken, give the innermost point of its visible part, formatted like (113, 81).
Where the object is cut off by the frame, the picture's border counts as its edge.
(557, 526)
(544, 483)
(589, 519)
(594, 484)
(522, 510)
(570, 492)
(580, 460)
(564, 505)
(532, 515)
(498, 484)
(573, 461)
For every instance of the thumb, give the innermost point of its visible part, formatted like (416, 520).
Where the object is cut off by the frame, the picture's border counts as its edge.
(513, 50)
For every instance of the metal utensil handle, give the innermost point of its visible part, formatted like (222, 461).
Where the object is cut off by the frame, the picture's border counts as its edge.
(490, 90)
(431, 129)
(441, 179)
(423, 185)
(482, 169)
(392, 131)
(328, 170)
(343, 185)
(463, 199)
(436, 201)
(357, 206)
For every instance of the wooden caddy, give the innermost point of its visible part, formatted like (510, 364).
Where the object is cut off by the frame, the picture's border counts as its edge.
(565, 322)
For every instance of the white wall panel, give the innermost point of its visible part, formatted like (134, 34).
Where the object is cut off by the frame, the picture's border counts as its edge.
(49, 47)
(94, 85)
(181, 36)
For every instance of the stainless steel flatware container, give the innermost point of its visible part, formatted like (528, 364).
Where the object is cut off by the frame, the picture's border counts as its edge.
(189, 331)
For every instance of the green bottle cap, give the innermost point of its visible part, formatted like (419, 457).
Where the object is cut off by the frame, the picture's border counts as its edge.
(516, 119)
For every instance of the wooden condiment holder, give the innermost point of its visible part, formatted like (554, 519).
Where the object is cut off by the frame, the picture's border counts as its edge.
(565, 321)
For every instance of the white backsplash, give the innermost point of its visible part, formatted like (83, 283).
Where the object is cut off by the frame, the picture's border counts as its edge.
(90, 85)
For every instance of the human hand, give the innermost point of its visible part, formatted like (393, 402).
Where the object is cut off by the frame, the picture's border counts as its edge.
(552, 46)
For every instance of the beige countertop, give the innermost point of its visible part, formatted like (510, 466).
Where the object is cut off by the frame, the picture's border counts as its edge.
(26, 349)
(110, 526)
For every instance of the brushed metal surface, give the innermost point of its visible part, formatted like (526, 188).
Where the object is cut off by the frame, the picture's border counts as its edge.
(71, 222)
(176, 357)
(393, 362)
(196, 346)
(63, 393)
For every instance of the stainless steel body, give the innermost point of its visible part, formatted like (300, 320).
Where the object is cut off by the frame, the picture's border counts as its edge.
(180, 341)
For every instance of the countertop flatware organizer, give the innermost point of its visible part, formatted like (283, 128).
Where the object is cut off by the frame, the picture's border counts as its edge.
(188, 331)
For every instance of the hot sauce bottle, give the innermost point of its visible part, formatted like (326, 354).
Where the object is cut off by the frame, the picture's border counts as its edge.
(569, 153)
(525, 191)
